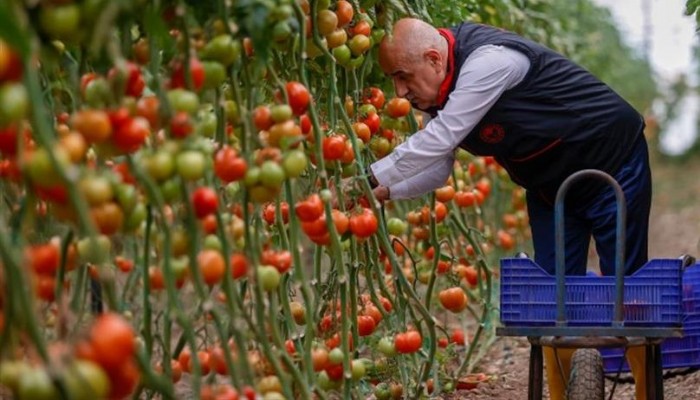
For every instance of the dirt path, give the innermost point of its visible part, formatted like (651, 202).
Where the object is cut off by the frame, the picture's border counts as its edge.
(674, 230)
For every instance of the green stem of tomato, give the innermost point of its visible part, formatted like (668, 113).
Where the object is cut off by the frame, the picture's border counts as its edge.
(145, 263)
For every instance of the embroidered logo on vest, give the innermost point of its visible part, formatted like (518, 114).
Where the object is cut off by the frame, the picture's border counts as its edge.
(492, 133)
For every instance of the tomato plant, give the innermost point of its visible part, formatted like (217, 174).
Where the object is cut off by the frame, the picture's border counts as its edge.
(182, 165)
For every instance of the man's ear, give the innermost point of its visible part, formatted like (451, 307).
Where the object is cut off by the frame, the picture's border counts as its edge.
(433, 57)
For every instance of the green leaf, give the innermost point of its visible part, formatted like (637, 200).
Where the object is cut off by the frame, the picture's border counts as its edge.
(11, 32)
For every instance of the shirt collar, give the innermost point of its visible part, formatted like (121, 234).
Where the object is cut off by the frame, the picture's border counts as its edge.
(446, 84)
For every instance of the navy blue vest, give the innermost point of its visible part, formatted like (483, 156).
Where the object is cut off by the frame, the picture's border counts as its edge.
(558, 120)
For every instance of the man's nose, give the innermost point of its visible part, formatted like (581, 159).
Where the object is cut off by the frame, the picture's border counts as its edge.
(400, 88)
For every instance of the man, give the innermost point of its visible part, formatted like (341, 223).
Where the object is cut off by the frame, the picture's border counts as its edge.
(543, 118)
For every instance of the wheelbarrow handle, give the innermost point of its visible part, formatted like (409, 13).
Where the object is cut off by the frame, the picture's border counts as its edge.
(560, 255)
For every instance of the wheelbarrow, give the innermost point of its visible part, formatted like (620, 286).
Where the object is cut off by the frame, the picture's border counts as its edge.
(589, 312)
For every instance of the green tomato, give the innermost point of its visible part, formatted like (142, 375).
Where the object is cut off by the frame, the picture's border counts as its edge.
(386, 346)
(135, 218)
(231, 111)
(126, 196)
(271, 174)
(366, 109)
(342, 55)
(183, 100)
(326, 383)
(382, 392)
(14, 103)
(191, 165)
(96, 189)
(212, 242)
(336, 356)
(60, 22)
(40, 169)
(36, 384)
(268, 278)
(281, 12)
(281, 112)
(359, 44)
(223, 49)
(396, 226)
(11, 372)
(160, 165)
(180, 267)
(94, 250)
(170, 190)
(252, 176)
(85, 380)
(281, 31)
(206, 124)
(98, 93)
(358, 369)
(294, 163)
(214, 74)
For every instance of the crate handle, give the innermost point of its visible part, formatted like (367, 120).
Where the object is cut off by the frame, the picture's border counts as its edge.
(560, 265)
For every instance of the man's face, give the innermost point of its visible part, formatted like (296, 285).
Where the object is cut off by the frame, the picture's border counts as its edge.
(415, 78)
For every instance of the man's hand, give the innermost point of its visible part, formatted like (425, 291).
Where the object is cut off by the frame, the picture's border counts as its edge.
(381, 193)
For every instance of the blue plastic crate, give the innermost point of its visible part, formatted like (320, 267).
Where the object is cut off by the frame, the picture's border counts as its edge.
(675, 352)
(652, 296)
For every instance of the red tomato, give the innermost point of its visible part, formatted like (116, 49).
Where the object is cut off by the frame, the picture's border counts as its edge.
(130, 135)
(457, 337)
(310, 209)
(373, 122)
(112, 338)
(204, 201)
(298, 96)
(365, 325)
(305, 124)
(398, 107)
(134, 84)
(453, 299)
(372, 95)
(262, 118)
(44, 259)
(211, 265)
(177, 80)
(181, 125)
(239, 265)
(228, 166)
(333, 147)
(363, 224)
(408, 342)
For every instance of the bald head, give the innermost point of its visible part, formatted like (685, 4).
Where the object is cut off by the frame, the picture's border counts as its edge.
(415, 55)
(409, 40)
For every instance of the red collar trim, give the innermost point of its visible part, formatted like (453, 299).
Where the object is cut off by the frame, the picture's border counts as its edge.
(447, 83)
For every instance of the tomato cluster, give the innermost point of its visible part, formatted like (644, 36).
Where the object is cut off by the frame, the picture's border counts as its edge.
(208, 185)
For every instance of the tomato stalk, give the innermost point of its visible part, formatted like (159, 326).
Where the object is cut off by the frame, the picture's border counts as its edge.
(482, 267)
(232, 300)
(65, 245)
(174, 306)
(145, 263)
(21, 304)
(300, 276)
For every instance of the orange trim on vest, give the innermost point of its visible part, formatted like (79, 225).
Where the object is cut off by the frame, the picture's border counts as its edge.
(446, 84)
(538, 152)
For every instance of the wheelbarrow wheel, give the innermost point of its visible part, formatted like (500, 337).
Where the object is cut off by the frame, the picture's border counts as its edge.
(587, 381)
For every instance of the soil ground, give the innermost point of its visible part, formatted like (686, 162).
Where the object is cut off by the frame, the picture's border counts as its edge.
(674, 230)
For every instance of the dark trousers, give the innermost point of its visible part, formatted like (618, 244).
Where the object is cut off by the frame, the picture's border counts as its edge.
(597, 218)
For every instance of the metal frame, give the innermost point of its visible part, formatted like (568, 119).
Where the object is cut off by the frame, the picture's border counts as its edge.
(615, 335)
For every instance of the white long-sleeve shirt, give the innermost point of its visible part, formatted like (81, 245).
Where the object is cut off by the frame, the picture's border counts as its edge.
(424, 161)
